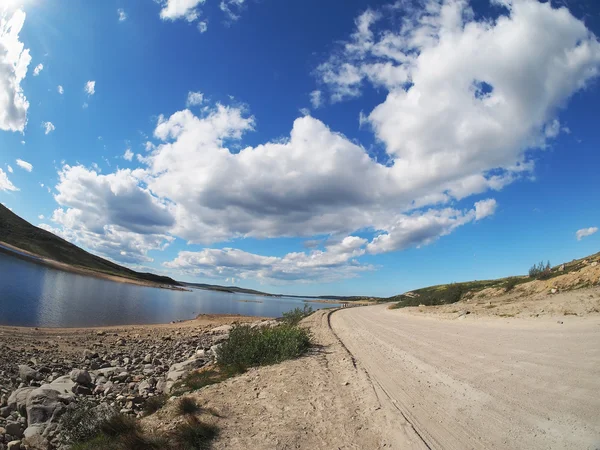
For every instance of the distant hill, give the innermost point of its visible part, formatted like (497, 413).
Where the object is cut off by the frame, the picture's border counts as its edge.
(231, 289)
(20, 233)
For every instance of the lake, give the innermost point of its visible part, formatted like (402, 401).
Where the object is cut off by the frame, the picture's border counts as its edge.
(39, 296)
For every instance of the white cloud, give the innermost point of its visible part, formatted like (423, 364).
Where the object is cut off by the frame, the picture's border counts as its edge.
(485, 208)
(48, 127)
(90, 87)
(178, 9)
(24, 165)
(194, 99)
(585, 232)
(315, 99)
(122, 15)
(423, 228)
(128, 155)
(336, 262)
(37, 70)
(10, 169)
(41, 217)
(60, 89)
(190, 10)
(232, 8)
(14, 61)
(110, 213)
(5, 184)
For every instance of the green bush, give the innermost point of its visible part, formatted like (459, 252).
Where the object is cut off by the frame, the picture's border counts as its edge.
(249, 347)
(82, 421)
(199, 379)
(87, 427)
(510, 284)
(294, 316)
(541, 271)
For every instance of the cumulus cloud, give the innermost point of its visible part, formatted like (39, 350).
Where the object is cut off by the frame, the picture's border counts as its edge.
(467, 102)
(110, 213)
(90, 88)
(194, 99)
(122, 15)
(423, 228)
(60, 89)
(41, 217)
(585, 232)
(38, 69)
(14, 61)
(24, 165)
(5, 184)
(48, 127)
(10, 169)
(203, 26)
(128, 155)
(337, 261)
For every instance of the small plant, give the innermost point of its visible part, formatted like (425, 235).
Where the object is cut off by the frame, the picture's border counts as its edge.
(294, 316)
(199, 379)
(194, 435)
(510, 284)
(541, 271)
(153, 404)
(82, 421)
(187, 406)
(249, 347)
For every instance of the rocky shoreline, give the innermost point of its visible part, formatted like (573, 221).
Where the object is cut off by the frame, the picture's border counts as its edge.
(43, 373)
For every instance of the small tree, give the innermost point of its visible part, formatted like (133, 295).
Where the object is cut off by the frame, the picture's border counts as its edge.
(541, 271)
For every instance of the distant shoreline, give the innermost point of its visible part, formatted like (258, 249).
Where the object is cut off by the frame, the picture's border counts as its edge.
(25, 255)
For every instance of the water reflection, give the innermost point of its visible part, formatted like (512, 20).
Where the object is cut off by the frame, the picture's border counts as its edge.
(35, 295)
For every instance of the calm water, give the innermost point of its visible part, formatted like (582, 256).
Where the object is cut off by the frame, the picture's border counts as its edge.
(35, 295)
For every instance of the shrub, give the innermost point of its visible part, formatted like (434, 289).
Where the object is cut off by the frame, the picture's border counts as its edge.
(541, 271)
(153, 404)
(199, 379)
(510, 284)
(194, 435)
(249, 347)
(100, 427)
(82, 421)
(187, 406)
(294, 316)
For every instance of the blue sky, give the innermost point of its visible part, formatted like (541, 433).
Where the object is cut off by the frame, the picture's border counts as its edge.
(306, 147)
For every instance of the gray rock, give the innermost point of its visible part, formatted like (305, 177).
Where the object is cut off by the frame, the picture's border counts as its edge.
(18, 400)
(64, 385)
(42, 404)
(28, 374)
(222, 329)
(14, 429)
(81, 377)
(14, 445)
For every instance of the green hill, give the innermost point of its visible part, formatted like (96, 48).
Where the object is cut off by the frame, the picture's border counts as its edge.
(20, 233)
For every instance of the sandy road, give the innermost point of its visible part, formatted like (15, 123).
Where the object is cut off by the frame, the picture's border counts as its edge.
(485, 383)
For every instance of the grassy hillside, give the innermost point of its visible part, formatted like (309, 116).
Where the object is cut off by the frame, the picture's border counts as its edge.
(451, 293)
(20, 233)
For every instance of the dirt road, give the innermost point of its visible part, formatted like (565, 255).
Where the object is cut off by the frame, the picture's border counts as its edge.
(485, 383)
